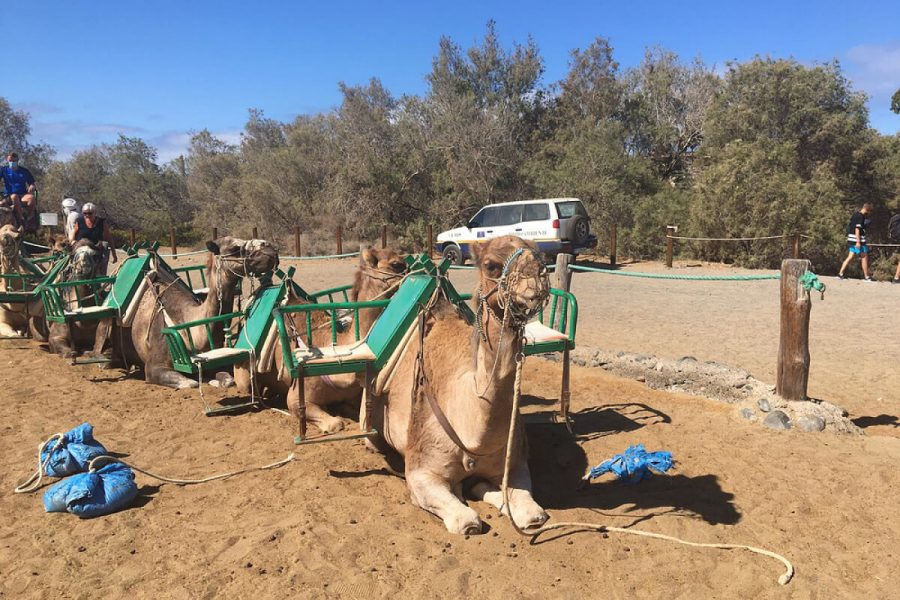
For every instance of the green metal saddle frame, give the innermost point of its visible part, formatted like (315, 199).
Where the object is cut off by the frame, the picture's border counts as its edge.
(555, 333)
(240, 347)
(32, 282)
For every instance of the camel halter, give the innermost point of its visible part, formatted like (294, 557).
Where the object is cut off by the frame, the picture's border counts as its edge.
(512, 314)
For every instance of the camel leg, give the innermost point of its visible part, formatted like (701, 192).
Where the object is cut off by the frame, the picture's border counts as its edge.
(60, 340)
(6, 330)
(314, 413)
(242, 378)
(430, 492)
(101, 335)
(168, 378)
(526, 512)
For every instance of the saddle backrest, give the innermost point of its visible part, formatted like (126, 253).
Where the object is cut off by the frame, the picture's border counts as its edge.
(259, 319)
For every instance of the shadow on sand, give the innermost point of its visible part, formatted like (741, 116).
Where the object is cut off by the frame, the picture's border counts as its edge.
(558, 464)
(864, 422)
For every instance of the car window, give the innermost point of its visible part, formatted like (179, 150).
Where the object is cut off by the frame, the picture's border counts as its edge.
(536, 212)
(488, 217)
(570, 209)
(509, 215)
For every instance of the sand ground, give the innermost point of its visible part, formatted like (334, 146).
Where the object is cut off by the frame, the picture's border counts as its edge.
(335, 523)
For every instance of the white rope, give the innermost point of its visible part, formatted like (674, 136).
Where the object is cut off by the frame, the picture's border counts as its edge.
(38, 476)
(112, 459)
(194, 253)
(883, 245)
(739, 239)
(533, 533)
(323, 257)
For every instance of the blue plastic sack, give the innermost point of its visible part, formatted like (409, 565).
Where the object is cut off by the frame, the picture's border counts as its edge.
(106, 490)
(72, 455)
(634, 464)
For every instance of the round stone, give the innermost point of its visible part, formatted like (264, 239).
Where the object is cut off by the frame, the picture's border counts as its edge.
(747, 413)
(777, 420)
(763, 405)
(811, 423)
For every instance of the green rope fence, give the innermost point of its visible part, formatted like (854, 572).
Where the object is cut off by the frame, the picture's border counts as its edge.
(678, 277)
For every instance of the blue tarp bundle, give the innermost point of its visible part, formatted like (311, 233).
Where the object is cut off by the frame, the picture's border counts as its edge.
(106, 490)
(634, 464)
(72, 455)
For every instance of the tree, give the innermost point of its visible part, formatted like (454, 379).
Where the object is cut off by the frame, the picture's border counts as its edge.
(15, 130)
(895, 102)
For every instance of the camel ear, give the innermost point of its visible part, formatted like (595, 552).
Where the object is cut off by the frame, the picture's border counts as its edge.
(213, 247)
(368, 258)
(477, 249)
(15, 233)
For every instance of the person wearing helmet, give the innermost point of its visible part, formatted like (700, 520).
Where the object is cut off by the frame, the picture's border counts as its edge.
(18, 184)
(90, 226)
(70, 215)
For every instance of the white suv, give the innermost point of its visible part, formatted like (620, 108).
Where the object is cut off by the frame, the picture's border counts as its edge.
(557, 225)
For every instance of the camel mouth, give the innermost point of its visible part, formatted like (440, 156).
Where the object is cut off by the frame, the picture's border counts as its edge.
(262, 260)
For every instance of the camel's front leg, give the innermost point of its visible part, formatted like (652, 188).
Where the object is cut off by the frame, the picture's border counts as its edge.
(314, 413)
(526, 512)
(434, 494)
(100, 336)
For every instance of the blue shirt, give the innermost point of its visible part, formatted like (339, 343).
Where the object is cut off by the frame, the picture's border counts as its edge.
(16, 182)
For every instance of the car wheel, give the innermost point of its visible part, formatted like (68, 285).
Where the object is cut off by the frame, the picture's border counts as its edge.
(453, 253)
(580, 230)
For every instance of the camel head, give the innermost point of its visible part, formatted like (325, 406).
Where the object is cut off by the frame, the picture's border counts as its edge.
(58, 243)
(9, 243)
(242, 258)
(379, 274)
(86, 258)
(512, 279)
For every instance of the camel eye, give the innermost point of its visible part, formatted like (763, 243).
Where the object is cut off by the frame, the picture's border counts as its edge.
(491, 266)
(398, 267)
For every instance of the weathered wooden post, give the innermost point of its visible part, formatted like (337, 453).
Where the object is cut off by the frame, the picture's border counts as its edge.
(793, 348)
(612, 246)
(796, 246)
(296, 240)
(255, 233)
(384, 236)
(670, 244)
(430, 239)
(340, 243)
(215, 233)
(133, 236)
(172, 241)
(564, 282)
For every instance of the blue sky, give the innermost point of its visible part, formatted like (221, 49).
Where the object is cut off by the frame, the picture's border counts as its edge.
(160, 69)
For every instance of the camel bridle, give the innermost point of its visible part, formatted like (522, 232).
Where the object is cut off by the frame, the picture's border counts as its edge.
(512, 313)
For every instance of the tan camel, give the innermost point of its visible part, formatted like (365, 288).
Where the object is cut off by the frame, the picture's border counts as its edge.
(19, 318)
(168, 300)
(86, 262)
(468, 373)
(378, 276)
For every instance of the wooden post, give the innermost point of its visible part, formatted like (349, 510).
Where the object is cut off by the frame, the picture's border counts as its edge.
(172, 241)
(612, 246)
(430, 239)
(255, 233)
(133, 236)
(793, 349)
(297, 240)
(796, 249)
(384, 236)
(340, 246)
(670, 243)
(563, 280)
(215, 233)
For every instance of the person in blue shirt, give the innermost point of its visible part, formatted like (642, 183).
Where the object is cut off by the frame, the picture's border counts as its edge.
(18, 184)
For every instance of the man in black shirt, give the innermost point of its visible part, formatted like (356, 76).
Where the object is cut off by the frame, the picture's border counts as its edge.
(856, 240)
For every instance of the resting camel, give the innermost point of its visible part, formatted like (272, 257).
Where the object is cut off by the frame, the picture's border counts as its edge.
(469, 374)
(378, 276)
(86, 262)
(17, 318)
(168, 300)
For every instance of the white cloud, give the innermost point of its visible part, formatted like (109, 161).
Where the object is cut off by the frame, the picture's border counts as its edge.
(875, 68)
(172, 144)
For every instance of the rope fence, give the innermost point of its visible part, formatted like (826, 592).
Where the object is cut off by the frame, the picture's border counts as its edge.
(749, 277)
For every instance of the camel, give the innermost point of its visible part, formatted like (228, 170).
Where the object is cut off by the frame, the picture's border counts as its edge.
(168, 300)
(19, 318)
(468, 373)
(378, 276)
(86, 262)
